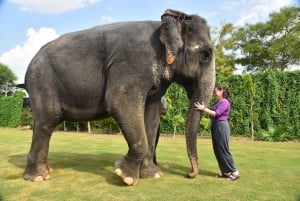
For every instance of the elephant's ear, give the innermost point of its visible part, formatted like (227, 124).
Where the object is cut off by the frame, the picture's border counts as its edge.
(171, 32)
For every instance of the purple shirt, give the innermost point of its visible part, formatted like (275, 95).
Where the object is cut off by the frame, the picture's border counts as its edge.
(222, 109)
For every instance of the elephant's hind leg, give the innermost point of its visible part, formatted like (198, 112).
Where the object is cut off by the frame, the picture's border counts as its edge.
(37, 168)
(46, 119)
(150, 171)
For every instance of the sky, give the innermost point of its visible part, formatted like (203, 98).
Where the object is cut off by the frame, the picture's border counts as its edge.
(26, 25)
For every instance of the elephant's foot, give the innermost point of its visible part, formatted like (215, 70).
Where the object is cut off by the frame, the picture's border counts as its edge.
(128, 173)
(38, 174)
(151, 171)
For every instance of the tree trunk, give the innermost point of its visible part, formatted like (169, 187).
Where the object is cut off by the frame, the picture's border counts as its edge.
(174, 133)
(251, 122)
(89, 126)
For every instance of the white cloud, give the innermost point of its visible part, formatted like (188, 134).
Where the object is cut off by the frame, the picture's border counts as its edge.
(107, 18)
(253, 11)
(18, 58)
(52, 6)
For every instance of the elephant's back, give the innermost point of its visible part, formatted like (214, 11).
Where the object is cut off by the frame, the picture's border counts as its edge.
(130, 26)
(76, 65)
(100, 33)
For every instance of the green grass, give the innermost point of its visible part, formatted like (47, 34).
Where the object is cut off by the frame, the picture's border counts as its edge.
(83, 170)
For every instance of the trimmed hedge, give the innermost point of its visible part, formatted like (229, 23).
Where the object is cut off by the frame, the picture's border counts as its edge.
(276, 102)
(266, 100)
(11, 109)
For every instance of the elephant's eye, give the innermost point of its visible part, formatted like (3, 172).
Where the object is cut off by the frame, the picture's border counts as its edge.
(205, 55)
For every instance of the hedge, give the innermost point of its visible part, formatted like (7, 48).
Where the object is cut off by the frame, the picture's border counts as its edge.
(267, 100)
(276, 102)
(11, 109)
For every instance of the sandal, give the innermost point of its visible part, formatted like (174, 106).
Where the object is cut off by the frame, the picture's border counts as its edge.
(223, 175)
(233, 177)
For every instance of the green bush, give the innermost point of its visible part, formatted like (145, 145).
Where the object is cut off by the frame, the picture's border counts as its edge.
(11, 109)
(276, 102)
(272, 98)
(26, 118)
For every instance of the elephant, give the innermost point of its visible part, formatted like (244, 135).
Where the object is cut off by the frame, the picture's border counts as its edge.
(120, 70)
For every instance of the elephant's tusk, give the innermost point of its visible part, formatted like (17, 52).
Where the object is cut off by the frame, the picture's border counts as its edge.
(168, 73)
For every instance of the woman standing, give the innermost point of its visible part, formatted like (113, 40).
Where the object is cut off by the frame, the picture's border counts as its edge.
(220, 131)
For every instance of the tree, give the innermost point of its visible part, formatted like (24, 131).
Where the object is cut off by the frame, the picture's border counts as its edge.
(7, 79)
(284, 27)
(271, 45)
(224, 45)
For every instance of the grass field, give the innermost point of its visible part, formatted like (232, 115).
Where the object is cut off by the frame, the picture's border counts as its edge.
(83, 170)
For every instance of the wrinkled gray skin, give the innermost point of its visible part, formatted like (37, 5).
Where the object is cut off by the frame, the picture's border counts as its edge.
(120, 70)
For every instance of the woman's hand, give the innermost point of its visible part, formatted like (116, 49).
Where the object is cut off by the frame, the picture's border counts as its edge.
(199, 106)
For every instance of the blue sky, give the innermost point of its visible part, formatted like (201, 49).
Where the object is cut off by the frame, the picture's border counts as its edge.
(28, 24)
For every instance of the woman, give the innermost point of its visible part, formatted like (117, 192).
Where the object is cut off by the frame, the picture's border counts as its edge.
(220, 131)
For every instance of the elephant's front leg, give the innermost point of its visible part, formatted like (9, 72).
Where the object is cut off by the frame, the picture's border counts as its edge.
(129, 113)
(152, 118)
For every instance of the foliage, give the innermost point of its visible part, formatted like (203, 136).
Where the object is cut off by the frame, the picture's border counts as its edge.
(11, 109)
(224, 44)
(258, 101)
(177, 107)
(107, 126)
(204, 126)
(177, 120)
(239, 114)
(26, 118)
(251, 88)
(73, 126)
(270, 45)
(276, 102)
(7, 79)
(274, 134)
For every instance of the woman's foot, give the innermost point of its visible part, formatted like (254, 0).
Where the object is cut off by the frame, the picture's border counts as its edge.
(223, 175)
(233, 176)
(230, 176)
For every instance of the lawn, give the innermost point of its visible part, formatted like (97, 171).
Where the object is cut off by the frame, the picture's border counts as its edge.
(83, 170)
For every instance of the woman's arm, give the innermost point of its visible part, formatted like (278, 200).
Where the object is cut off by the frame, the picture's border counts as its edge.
(201, 107)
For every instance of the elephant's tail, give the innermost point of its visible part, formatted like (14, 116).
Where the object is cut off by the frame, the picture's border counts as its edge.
(21, 86)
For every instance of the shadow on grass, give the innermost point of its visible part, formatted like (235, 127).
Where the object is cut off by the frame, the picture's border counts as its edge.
(176, 169)
(97, 164)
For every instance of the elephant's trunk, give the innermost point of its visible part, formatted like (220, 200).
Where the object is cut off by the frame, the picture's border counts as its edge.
(192, 124)
(201, 93)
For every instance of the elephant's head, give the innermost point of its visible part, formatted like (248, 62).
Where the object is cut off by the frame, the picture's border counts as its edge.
(190, 58)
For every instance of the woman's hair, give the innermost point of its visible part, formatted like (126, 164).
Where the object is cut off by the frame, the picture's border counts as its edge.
(226, 93)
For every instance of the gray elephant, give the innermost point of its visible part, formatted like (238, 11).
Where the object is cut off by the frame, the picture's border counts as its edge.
(120, 70)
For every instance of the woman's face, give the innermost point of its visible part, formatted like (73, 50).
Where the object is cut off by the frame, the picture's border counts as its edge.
(218, 94)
